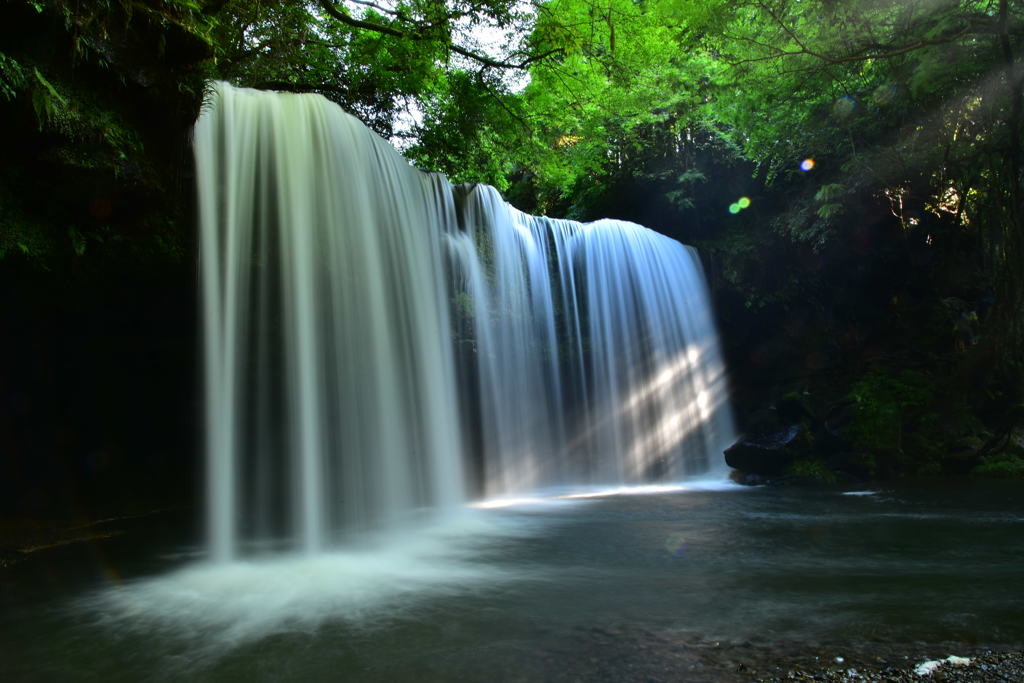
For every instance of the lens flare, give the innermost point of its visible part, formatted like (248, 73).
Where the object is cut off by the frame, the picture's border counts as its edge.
(675, 545)
(883, 95)
(744, 202)
(734, 208)
(806, 165)
(844, 106)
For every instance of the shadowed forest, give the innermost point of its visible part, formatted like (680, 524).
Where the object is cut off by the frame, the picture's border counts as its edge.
(850, 173)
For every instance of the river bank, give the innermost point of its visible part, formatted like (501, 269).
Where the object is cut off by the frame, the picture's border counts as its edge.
(604, 655)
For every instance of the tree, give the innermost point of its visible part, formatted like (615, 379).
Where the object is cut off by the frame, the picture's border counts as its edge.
(379, 61)
(916, 103)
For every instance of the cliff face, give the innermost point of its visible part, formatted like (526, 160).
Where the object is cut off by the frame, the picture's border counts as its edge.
(97, 284)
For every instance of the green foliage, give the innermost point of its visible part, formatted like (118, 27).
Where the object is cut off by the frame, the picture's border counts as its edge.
(466, 131)
(67, 124)
(620, 71)
(891, 99)
(101, 19)
(91, 134)
(1003, 465)
(813, 470)
(745, 258)
(12, 77)
(378, 74)
(49, 104)
(19, 234)
(907, 422)
(682, 195)
(889, 405)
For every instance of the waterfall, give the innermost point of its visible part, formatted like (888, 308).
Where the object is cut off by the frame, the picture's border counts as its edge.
(380, 344)
(595, 353)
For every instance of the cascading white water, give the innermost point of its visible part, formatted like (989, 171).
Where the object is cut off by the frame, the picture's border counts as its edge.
(595, 352)
(330, 397)
(372, 334)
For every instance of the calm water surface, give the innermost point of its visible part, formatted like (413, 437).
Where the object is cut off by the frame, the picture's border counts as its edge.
(535, 592)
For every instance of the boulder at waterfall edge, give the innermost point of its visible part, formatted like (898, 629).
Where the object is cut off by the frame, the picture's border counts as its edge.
(769, 454)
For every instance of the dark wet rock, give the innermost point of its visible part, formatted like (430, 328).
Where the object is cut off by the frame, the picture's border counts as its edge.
(9, 558)
(750, 479)
(797, 439)
(837, 418)
(765, 455)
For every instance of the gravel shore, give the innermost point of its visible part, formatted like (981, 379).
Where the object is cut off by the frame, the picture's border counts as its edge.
(622, 654)
(988, 667)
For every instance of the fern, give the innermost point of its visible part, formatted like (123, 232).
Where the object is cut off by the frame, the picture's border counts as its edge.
(12, 77)
(828, 211)
(829, 192)
(47, 102)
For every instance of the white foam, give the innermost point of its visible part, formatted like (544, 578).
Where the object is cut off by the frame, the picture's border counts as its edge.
(860, 493)
(221, 605)
(927, 668)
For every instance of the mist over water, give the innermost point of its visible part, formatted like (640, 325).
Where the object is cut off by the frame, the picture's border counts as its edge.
(382, 346)
(214, 607)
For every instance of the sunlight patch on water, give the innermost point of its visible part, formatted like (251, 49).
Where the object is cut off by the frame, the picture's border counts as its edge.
(654, 489)
(555, 496)
(522, 501)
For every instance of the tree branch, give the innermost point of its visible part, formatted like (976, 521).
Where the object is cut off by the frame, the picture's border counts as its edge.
(382, 10)
(344, 17)
(885, 52)
(418, 33)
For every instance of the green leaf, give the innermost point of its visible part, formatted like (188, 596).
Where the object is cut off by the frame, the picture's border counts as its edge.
(829, 192)
(77, 240)
(826, 211)
(49, 87)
